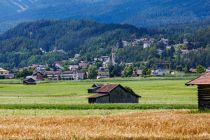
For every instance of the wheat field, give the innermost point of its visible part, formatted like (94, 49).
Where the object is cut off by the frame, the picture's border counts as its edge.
(141, 125)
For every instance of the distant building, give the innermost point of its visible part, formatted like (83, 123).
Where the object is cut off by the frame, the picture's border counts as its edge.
(76, 55)
(58, 65)
(137, 72)
(103, 73)
(110, 93)
(6, 74)
(208, 69)
(125, 43)
(160, 72)
(73, 67)
(185, 51)
(83, 65)
(29, 80)
(146, 45)
(164, 41)
(193, 70)
(3, 71)
(38, 76)
(66, 75)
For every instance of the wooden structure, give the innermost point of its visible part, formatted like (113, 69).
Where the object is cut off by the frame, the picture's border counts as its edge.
(203, 83)
(29, 81)
(38, 75)
(110, 93)
(94, 88)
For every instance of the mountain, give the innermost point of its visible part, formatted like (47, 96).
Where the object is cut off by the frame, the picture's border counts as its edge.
(48, 41)
(135, 12)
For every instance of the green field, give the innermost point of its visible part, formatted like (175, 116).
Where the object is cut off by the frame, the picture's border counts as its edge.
(153, 92)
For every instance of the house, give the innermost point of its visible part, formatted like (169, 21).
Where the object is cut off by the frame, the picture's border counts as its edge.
(58, 65)
(73, 67)
(83, 65)
(160, 72)
(185, 51)
(29, 80)
(111, 93)
(146, 45)
(53, 75)
(3, 71)
(38, 76)
(203, 83)
(103, 73)
(193, 70)
(6, 74)
(208, 69)
(66, 75)
(137, 72)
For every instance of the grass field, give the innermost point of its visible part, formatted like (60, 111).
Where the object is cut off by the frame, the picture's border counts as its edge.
(75, 92)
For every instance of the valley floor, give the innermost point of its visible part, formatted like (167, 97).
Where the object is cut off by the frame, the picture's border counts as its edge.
(59, 110)
(159, 124)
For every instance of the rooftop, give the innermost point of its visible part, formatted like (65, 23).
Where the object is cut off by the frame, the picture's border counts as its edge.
(107, 88)
(202, 80)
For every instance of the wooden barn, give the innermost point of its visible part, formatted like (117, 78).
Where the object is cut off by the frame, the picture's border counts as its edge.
(29, 81)
(203, 83)
(110, 93)
(38, 76)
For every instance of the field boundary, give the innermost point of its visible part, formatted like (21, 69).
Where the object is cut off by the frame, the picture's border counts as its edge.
(97, 106)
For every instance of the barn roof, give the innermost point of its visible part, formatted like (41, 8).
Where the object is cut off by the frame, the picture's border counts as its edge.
(107, 88)
(202, 80)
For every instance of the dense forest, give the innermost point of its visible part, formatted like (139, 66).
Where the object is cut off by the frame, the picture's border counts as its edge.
(47, 41)
(43, 42)
(141, 13)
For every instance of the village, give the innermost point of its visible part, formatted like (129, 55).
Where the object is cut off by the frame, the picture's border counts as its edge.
(103, 66)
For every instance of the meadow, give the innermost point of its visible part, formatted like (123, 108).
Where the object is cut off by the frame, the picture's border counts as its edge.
(71, 96)
(153, 91)
(59, 110)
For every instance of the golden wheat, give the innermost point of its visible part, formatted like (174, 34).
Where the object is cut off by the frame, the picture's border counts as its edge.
(145, 125)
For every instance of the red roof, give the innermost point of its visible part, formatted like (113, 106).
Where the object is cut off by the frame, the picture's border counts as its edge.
(107, 88)
(97, 95)
(202, 80)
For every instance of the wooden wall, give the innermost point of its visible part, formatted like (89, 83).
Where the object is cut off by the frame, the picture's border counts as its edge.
(204, 96)
(119, 95)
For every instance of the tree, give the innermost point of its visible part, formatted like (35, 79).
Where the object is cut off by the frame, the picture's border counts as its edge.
(128, 71)
(115, 70)
(146, 72)
(92, 72)
(200, 69)
(25, 72)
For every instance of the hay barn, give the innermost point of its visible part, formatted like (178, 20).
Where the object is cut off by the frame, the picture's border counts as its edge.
(111, 93)
(203, 83)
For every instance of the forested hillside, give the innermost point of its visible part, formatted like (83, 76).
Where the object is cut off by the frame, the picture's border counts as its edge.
(134, 12)
(49, 41)
(44, 42)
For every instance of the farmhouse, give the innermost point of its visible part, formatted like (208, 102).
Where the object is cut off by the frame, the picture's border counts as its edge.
(203, 83)
(111, 93)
